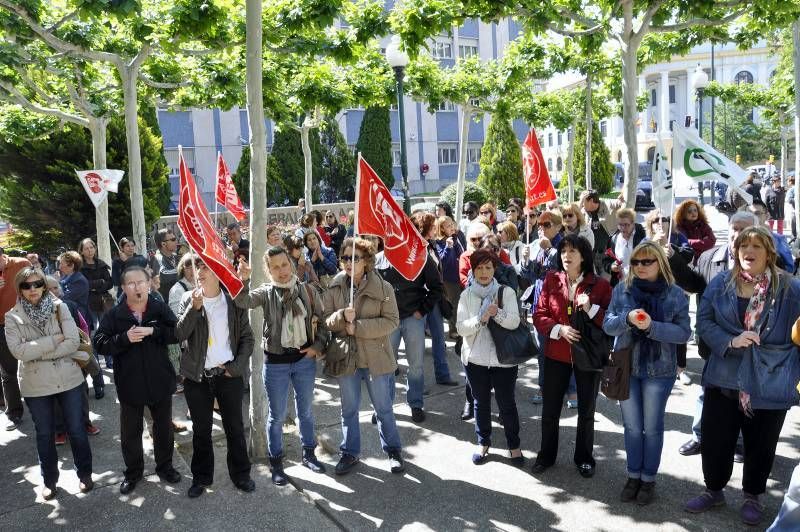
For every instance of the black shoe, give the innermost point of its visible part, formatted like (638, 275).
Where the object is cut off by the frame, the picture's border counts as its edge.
(195, 490)
(449, 382)
(49, 492)
(417, 415)
(99, 393)
(647, 491)
(396, 462)
(468, 412)
(246, 485)
(279, 478)
(374, 418)
(517, 461)
(586, 470)
(738, 456)
(346, 464)
(13, 423)
(171, 476)
(690, 448)
(631, 489)
(311, 462)
(128, 485)
(86, 484)
(538, 468)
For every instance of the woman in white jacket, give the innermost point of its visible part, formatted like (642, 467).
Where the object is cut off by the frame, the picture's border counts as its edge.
(575, 223)
(478, 305)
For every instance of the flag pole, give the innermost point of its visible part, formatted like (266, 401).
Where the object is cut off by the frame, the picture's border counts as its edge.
(672, 201)
(114, 240)
(216, 203)
(355, 229)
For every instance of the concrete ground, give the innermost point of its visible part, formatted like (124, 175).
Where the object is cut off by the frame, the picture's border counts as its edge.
(441, 489)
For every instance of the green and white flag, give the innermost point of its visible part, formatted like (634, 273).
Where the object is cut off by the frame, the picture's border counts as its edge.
(695, 160)
(662, 180)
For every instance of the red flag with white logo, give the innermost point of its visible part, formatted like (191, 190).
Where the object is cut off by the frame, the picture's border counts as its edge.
(377, 213)
(226, 191)
(195, 223)
(538, 187)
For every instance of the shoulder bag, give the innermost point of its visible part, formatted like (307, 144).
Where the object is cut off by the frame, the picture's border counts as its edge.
(616, 380)
(591, 352)
(84, 356)
(513, 346)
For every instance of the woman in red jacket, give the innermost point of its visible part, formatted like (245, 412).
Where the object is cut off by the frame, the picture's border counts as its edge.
(691, 222)
(571, 289)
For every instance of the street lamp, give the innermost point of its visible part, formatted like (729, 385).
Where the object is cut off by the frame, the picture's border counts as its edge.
(398, 60)
(699, 83)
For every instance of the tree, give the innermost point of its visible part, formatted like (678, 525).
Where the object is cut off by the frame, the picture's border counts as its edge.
(472, 192)
(601, 166)
(501, 162)
(375, 142)
(285, 183)
(39, 192)
(338, 178)
(241, 178)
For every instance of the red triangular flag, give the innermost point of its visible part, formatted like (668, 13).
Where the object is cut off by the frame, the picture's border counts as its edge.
(538, 187)
(226, 191)
(377, 213)
(195, 223)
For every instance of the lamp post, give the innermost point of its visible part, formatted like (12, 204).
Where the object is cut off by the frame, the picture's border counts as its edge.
(398, 60)
(699, 83)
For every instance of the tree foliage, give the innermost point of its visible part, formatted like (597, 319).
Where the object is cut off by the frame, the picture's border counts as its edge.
(375, 142)
(602, 167)
(501, 162)
(241, 178)
(286, 175)
(472, 192)
(40, 193)
(338, 178)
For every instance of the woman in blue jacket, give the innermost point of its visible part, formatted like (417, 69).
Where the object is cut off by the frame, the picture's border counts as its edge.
(649, 314)
(746, 317)
(322, 258)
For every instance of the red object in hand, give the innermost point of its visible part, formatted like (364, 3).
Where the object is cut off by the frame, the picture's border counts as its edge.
(641, 316)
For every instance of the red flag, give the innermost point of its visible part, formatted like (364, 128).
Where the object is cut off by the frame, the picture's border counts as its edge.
(377, 213)
(538, 187)
(226, 191)
(195, 223)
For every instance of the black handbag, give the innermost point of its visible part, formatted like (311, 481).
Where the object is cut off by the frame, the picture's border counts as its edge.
(513, 346)
(616, 381)
(591, 352)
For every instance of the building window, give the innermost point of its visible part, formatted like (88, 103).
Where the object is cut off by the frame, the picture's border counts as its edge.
(446, 106)
(475, 102)
(550, 140)
(468, 49)
(474, 154)
(558, 137)
(672, 94)
(652, 97)
(448, 154)
(569, 134)
(395, 154)
(671, 124)
(550, 164)
(743, 77)
(442, 50)
(559, 164)
(603, 128)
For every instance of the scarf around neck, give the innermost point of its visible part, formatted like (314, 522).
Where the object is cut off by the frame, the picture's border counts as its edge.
(486, 293)
(648, 296)
(755, 307)
(40, 312)
(293, 330)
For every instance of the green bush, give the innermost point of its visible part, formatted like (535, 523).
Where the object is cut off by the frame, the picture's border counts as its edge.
(472, 192)
(602, 167)
(501, 162)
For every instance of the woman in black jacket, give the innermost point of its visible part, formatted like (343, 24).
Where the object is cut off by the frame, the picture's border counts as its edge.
(98, 273)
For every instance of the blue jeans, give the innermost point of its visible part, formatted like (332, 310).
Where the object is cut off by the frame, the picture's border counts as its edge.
(643, 416)
(302, 375)
(42, 411)
(435, 323)
(412, 331)
(380, 392)
(698, 415)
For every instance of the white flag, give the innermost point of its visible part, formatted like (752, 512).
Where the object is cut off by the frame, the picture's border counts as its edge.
(662, 180)
(98, 183)
(695, 160)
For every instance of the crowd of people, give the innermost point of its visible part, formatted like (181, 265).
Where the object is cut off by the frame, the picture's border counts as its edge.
(587, 279)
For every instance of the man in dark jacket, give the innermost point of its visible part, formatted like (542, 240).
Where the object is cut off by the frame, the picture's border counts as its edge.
(711, 263)
(213, 365)
(775, 198)
(621, 245)
(414, 300)
(136, 332)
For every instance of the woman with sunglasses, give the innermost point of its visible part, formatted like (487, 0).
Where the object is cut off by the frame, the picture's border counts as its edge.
(43, 336)
(335, 230)
(648, 314)
(449, 249)
(746, 317)
(690, 220)
(575, 223)
(367, 319)
(489, 211)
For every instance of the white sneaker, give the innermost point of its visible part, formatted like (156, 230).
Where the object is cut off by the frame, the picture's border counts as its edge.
(685, 379)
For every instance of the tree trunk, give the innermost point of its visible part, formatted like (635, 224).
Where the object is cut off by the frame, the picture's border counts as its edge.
(131, 108)
(796, 61)
(258, 218)
(571, 161)
(97, 127)
(308, 165)
(629, 110)
(463, 141)
(588, 159)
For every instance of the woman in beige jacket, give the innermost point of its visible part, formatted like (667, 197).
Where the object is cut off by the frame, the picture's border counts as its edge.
(360, 350)
(41, 333)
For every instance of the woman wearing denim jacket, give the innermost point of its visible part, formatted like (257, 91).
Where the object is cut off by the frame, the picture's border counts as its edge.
(649, 314)
(746, 317)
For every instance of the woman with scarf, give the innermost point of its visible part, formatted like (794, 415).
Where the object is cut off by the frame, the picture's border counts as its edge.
(746, 318)
(690, 220)
(43, 336)
(649, 315)
(293, 338)
(478, 305)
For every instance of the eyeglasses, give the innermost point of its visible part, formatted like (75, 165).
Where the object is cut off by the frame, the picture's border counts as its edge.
(33, 284)
(351, 258)
(546, 225)
(133, 285)
(330, 216)
(569, 215)
(643, 262)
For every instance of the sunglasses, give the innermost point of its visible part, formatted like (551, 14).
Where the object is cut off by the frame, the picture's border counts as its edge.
(351, 258)
(663, 220)
(569, 215)
(511, 211)
(485, 213)
(546, 225)
(643, 262)
(33, 284)
(475, 239)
